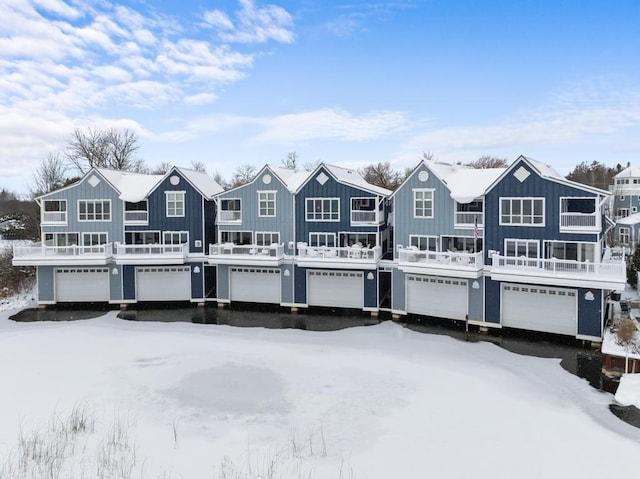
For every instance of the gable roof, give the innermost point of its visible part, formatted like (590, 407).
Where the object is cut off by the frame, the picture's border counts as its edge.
(548, 172)
(201, 181)
(465, 184)
(633, 219)
(291, 179)
(629, 172)
(132, 187)
(347, 176)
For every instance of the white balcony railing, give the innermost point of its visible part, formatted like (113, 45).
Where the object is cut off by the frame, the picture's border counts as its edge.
(584, 221)
(40, 250)
(469, 218)
(612, 269)
(345, 253)
(364, 217)
(54, 216)
(226, 216)
(225, 249)
(448, 259)
(136, 216)
(152, 249)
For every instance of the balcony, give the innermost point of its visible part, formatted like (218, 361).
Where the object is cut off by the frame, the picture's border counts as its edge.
(364, 218)
(468, 219)
(449, 263)
(151, 253)
(347, 257)
(40, 254)
(610, 274)
(579, 222)
(54, 217)
(229, 216)
(136, 217)
(230, 253)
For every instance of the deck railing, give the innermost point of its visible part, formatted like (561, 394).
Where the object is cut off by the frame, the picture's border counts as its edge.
(227, 216)
(364, 217)
(587, 221)
(136, 216)
(469, 218)
(559, 266)
(48, 250)
(152, 249)
(446, 259)
(339, 253)
(274, 250)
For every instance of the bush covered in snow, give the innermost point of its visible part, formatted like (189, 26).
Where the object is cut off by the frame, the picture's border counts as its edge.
(14, 279)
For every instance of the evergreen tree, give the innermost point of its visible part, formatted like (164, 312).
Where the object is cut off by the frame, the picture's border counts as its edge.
(633, 266)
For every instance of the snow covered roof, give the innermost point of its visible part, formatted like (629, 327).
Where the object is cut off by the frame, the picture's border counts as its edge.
(629, 172)
(465, 184)
(292, 179)
(133, 187)
(201, 181)
(629, 220)
(353, 178)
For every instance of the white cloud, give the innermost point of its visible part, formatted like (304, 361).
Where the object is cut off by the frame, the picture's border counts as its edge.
(253, 24)
(330, 123)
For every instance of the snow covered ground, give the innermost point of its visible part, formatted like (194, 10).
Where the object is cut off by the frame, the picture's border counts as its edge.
(176, 400)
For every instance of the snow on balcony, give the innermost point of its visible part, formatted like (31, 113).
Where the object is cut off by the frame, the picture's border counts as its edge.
(38, 254)
(231, 253)
(609, 274)
(338, 256)
(455, 263)
(151, 253)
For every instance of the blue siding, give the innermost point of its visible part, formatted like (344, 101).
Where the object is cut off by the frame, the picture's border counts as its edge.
(287, 283)
(45, 283)
(492, 301)
(115, 282)
(330, 189)
(398, 292)
(223, 282)
(193, 218)
(197, 281)
(300, 285)
(129, 282)
(476, 299)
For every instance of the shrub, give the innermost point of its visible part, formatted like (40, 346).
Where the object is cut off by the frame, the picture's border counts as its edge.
(626, 332)
(14, 279)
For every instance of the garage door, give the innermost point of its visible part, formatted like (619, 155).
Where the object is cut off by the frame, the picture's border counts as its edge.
(535, 308)
(438, 297)
(79, 285)
(337, 289)
(168, 283)
(255, 285)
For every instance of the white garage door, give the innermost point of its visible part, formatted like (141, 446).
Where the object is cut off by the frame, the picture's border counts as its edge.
(338, 289)
(437, 297)
(163, 283)
(79, 285)
(255, 285)
(537, 308)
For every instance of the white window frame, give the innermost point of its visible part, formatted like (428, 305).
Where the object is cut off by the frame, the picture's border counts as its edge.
(334, 214)
(266, 202)
(236, 232)
(361, 237)
(318, 235)
(172, 235)
(132, 235)
(426, 239)
(105, 218)
(260, 237)
(522, 200)
(174, 202)
(423, 208)
(89, 236)
(54, 238)
(62, 212)
(137, 221)
(529, 243)
(221, 202)
(581, 259)
(624, 231)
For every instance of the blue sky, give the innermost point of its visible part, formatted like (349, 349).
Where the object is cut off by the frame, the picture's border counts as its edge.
(232, 82)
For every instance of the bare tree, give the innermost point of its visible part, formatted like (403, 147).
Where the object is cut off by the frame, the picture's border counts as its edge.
(243, 174)
(428, 156)
(381, 174)
(291, 161)
(161, 169)
(487, 161)
(198, 166)
(218, 178)
(50, 175)
(112, 148)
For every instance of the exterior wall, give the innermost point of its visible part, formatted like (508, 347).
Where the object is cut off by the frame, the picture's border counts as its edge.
(634, 233)
(533, 186)
(287, 283)
(210, 228)
(115, 282)
(251, 221)
(398, 294)
(223, 282)
(84, 191)
(476, 299)
(46, 288)
(197, 281)
(492, 301)
(626, 199)
(330, 189)
(129, 282)
(192, 221)
(444, 209)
